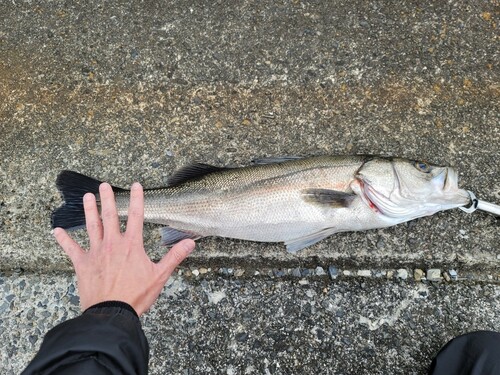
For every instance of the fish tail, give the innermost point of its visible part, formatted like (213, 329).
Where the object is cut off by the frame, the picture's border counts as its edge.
(73, 186)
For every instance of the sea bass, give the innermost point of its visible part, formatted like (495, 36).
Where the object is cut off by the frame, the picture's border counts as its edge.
(298, 201)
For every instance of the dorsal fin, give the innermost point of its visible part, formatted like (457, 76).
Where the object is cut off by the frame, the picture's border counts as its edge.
(191, 172)
(274, 160)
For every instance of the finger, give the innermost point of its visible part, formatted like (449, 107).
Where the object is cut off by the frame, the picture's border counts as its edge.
(111, 225)
(70, 247)
(175, 256)
(92, 219)
(135, 212)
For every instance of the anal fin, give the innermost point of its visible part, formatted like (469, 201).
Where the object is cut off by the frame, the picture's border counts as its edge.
(170, 236)
(300, 243)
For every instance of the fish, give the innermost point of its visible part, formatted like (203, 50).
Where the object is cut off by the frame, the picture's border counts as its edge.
(294, 200)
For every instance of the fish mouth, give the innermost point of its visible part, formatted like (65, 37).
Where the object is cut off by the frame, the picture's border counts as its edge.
(450, 180)
(450, 188)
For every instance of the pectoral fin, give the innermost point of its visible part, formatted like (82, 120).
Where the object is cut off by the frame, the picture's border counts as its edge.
(170, 236)
(332, 198)
(300, 243)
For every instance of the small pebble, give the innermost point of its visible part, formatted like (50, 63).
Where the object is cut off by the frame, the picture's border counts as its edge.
(74, 300)
(365, 273)
(278, 273)
(418, 274)
(333, 272)
(319, 271)
(434, 274)
(296, 272)
(380, 242)
(310, 293)
(4, 306)
(402, 274)
(304, 282)
(390, 274)
(346, 273)
(453, 274)
(195, 272)
(134, 54)
(203, 270)
(239, 272)
(242, 337)
(381, 273)
(446, 276)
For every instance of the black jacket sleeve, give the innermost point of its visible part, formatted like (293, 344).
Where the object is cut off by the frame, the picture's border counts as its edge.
(106, 339)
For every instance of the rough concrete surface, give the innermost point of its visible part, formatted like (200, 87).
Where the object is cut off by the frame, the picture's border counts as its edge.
(131, 90)
(218, 325)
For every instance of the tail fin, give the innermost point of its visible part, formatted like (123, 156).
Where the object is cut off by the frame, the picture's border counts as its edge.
(73, 187)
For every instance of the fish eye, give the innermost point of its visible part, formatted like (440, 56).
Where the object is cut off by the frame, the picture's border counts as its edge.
(422, 166)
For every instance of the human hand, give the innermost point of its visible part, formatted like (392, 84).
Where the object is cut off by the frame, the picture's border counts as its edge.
(116, 267)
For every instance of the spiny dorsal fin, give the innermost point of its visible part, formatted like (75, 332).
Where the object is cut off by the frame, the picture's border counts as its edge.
(191, 172)
(328, 197)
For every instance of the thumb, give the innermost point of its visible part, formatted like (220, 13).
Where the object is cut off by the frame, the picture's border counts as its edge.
(175, 256)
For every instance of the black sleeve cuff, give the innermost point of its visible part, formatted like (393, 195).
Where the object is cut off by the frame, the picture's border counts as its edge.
(106, 339)
(120, 304)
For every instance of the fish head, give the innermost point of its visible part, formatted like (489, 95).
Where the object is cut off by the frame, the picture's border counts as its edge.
(407, 189)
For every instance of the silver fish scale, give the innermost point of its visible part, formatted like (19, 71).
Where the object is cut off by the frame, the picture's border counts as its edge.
(260, 203)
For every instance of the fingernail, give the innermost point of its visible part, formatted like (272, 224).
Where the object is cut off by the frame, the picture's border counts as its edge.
(136, 186)
(55, 231)
(88, 197)
(189, 246)
(105, 186)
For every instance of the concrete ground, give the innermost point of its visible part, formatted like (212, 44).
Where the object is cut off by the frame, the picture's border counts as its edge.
(130, 91)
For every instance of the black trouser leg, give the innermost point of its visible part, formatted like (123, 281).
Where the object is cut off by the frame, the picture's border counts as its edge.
(476, 353)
